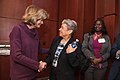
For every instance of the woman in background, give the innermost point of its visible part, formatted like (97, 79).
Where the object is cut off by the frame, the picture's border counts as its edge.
(96, 47)
(24, 42)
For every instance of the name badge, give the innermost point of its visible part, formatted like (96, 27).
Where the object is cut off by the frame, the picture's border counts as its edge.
(101, 40)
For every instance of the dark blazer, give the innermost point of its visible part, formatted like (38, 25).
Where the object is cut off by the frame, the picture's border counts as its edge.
(115, 68)
(66, 63)
(116, 46)
(87, 48)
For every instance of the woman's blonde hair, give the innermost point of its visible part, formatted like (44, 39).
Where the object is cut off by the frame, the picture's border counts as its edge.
(33, 13)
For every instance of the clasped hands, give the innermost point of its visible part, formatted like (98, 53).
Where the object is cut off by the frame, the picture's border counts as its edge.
(96, 60)
(42, 66)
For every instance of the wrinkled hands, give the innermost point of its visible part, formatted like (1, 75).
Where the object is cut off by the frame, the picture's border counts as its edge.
(118, 52)
(42, 66)
(70, 49)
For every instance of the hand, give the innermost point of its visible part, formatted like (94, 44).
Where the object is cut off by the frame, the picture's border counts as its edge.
(118, 52)
(96, 60)
(42, 66)
(70, 49)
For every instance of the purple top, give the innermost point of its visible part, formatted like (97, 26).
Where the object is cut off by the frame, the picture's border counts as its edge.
(97, 47)
(23, 53)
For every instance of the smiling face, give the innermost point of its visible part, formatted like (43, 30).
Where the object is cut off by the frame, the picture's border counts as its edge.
(64, 31)
(98, 26)
(38, 23)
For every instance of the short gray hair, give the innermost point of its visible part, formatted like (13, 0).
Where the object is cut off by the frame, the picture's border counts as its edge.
(71, 24)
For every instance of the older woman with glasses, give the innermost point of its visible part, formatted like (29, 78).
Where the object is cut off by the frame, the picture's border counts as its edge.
(63, 55)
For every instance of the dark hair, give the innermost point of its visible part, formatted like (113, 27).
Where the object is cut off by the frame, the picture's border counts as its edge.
(104, 31)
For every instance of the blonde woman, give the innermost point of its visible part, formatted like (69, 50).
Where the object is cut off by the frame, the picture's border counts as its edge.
(24, 41)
